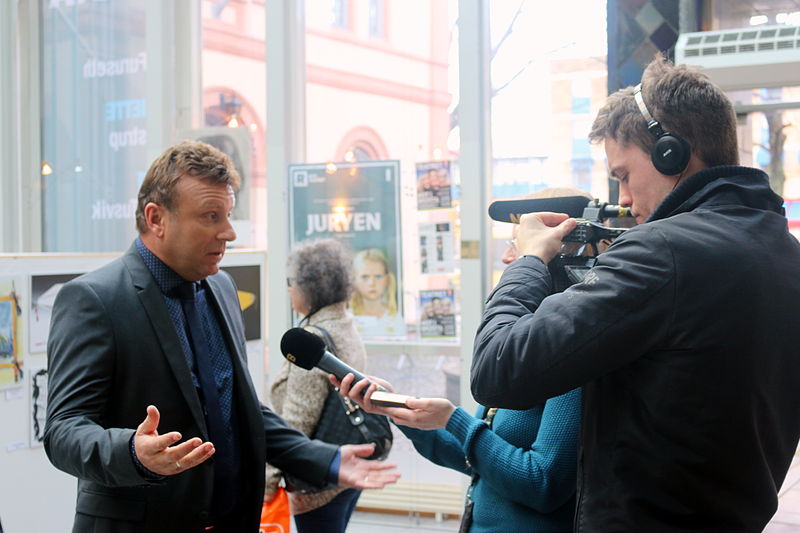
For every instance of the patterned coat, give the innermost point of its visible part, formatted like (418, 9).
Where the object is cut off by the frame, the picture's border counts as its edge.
(298, 394)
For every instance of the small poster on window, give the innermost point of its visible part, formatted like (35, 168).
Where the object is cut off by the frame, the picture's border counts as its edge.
(434, 187)
(437, 313)
(436, 254)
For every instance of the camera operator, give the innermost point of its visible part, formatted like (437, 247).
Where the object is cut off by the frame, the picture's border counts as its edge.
(682, 335)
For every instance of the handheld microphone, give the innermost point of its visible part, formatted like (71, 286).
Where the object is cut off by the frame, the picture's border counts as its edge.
(307, 350)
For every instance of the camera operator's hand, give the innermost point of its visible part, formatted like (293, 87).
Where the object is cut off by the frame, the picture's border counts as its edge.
(541, 233)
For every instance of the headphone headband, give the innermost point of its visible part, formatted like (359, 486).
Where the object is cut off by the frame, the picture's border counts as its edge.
(652, 124)
(670, 153)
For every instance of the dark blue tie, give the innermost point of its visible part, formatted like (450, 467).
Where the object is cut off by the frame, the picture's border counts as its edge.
(219, 432)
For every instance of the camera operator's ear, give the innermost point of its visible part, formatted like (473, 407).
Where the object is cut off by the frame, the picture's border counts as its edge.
(670, 154)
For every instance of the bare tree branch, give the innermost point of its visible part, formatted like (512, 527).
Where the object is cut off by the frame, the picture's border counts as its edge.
(509, 29)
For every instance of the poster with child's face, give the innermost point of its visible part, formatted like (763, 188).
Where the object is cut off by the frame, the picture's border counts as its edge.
(359, 204)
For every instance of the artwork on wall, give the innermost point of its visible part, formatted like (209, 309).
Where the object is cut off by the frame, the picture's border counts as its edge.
(11, 354)
(248, 284)
(38, 409)
(43, 294)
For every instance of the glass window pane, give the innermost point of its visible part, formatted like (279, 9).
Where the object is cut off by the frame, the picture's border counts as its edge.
(94, 122)
(388, 100)
(548, 81)
(382, 91)
(234, 106)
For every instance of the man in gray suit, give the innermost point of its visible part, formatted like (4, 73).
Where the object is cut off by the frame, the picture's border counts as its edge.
(158, 335)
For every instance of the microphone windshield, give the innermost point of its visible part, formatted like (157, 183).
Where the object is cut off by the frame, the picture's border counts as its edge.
(302, 347)
(511, 210)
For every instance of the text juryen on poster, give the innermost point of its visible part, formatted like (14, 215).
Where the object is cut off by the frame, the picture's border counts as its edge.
(343, 222)
(359, 204)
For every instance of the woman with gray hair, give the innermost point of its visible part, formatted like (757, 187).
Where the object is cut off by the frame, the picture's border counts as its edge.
(320, 283)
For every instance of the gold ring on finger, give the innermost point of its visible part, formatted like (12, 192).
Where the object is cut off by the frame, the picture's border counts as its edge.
(178, 465)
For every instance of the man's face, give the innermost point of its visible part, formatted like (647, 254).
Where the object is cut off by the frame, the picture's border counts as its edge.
(198, 229)
(641, 186)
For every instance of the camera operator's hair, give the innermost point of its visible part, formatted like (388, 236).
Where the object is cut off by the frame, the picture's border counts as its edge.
(685, 102)
(191, 158)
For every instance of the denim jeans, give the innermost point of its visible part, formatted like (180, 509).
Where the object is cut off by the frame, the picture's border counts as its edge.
(331, 517)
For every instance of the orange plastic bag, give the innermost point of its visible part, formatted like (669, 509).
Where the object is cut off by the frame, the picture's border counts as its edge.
(276, 516)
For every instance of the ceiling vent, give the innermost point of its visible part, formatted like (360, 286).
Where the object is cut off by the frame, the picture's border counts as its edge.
(745, 58)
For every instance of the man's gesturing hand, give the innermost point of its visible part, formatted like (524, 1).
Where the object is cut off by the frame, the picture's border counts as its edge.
(156, 454)
(357, 472)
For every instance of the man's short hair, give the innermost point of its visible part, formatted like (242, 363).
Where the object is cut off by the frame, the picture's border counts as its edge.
(191, 158)
(685, 102)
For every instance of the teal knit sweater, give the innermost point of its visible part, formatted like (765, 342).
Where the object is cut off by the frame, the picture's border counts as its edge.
(527, 463)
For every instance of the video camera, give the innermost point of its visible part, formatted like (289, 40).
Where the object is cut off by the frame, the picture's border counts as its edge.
(571, 265)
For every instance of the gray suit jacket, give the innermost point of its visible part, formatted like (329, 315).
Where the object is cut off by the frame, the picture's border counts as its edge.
(112, 351)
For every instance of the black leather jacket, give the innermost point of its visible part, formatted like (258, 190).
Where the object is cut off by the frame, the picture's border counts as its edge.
(684, 339)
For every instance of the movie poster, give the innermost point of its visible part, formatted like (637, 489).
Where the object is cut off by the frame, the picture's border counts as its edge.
(436, 248)
(437, 313)
(434, 185)
(358, 203)
(11, 354)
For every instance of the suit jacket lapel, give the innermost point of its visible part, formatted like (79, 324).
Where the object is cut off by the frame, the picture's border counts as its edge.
(153, 303)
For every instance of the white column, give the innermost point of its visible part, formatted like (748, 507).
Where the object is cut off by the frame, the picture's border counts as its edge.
(286, 133)
(188, 66)
(476, 173)
(10, 238)
(20, 142)
(160, 91)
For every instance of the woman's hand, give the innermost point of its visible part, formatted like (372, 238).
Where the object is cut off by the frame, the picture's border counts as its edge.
(420, 413)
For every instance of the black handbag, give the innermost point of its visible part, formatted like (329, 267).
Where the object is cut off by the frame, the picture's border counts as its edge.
(342, 421)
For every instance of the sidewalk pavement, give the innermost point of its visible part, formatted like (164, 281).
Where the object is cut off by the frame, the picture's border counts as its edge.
(787, 518)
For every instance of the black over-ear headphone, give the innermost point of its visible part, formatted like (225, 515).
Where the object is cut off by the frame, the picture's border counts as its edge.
(670, 154)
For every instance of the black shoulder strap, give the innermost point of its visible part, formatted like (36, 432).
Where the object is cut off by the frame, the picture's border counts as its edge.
(327, 338)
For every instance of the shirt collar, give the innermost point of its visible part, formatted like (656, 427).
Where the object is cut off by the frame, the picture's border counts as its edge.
(166, 278)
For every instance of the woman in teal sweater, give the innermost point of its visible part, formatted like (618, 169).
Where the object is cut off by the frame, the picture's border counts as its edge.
(523, 465)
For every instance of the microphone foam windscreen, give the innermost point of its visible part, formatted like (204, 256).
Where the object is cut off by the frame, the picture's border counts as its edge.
(302, 347)
(510, 210)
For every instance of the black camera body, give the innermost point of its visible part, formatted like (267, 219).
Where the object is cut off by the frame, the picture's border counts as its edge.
(568, 268)
(572, 265)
